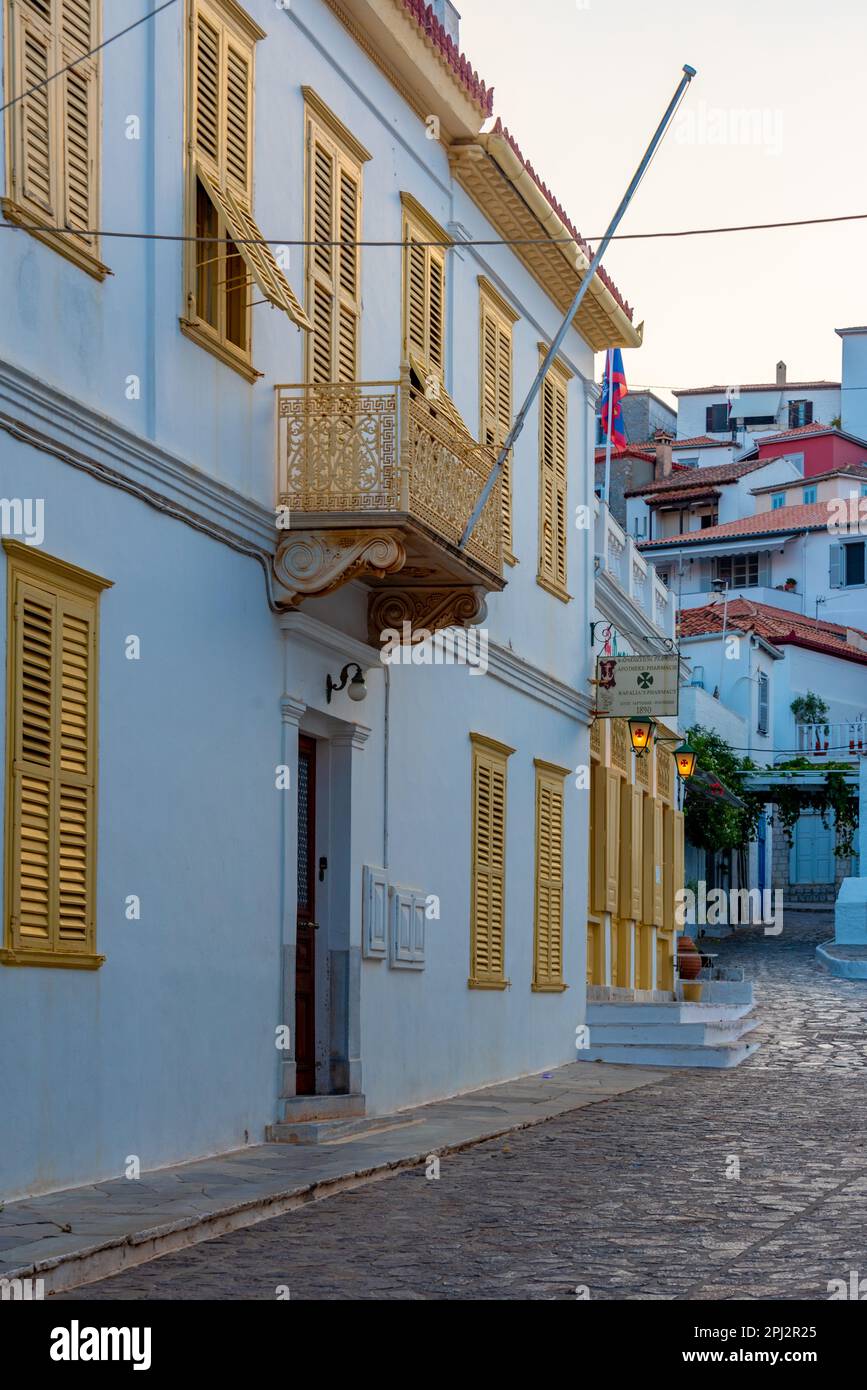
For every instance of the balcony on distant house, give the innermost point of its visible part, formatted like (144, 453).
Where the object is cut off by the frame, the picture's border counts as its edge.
(832, 742)
(376, 482)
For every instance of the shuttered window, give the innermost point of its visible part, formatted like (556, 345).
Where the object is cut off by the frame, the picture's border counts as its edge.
(552, 484)
(548, 923)
(334, 181)
(424, 295)
(229, 267)
(53, 175)
(488, 886)
(51, 769)
(496, 394)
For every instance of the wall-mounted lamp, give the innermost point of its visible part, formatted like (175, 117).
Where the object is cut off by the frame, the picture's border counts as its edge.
(684, 758)
(357, 689)
(641, 733)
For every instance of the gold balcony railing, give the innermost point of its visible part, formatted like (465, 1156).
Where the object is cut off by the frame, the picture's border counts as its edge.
(374, 449)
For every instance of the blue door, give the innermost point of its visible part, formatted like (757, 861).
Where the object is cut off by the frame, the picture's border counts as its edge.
(812, 855)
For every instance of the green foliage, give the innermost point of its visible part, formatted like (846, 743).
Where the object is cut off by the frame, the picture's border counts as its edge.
(710, 825)
(809, 709)
(832, 799)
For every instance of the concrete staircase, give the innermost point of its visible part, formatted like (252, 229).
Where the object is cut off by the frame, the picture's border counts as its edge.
(325, 1119)
(674, 1033)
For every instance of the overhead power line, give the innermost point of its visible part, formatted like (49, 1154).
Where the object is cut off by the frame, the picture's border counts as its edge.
(544, 242)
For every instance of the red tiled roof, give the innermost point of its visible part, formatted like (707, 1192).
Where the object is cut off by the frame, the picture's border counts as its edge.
(703, 441)
(812, 517)
(762, 386)
(775, 625)
(798, 433)
(677, 495)
(462, 68)
(688, 477)
(500, 129)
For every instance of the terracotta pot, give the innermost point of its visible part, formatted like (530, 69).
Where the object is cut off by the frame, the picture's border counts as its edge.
(688, 959)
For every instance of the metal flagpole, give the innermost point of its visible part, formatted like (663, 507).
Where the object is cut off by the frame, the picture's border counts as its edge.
(610, 360)
(520, 419)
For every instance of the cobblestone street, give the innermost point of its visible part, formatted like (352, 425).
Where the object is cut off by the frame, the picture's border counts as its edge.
(628, 1198)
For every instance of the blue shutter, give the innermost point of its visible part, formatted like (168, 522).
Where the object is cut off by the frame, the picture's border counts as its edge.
(835, 578)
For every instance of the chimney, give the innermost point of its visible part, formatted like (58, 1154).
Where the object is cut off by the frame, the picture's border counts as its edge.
(781, 375)
(662, 468)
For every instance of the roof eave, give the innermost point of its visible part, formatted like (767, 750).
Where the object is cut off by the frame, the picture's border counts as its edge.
(490, 171)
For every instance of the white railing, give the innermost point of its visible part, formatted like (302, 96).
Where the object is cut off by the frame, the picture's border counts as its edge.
(833, 741)
(618, 555)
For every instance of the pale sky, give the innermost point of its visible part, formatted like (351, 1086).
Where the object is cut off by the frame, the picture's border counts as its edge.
(582, 85)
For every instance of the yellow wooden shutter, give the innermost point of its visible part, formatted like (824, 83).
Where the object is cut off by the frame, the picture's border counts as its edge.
(238, 90)
(436, 309)
(630, 851)
(552, 483)
(496, 400)
(548, 923)
(424, 290)
(416, 297)
(206, 90)
(35, 158)
(52, 787)
(611, 832)
(488, 904)
(79, 96)
(334, 262)
(652, 857)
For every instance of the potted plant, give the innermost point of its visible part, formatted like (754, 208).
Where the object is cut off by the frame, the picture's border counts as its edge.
(689, 969)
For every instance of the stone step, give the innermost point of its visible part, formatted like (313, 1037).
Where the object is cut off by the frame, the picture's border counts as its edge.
(693, 1034)
(297, 1109)
(326, 1131)
(675, 1012)
(669, 1055)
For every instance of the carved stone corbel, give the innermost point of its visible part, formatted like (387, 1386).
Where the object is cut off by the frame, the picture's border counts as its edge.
(425, 609)
(309, 564)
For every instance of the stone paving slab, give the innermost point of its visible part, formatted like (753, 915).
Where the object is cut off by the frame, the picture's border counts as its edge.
(88, 1233)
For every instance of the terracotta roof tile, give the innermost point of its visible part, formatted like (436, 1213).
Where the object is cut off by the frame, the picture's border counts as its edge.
(462, 68)
(500, 129)
(633, 451)
(689, 477)
(678, 495)
(812, 517)
(775, 625)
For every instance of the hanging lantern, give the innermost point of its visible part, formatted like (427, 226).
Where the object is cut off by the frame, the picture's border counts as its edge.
(685, 757)
(641, 733)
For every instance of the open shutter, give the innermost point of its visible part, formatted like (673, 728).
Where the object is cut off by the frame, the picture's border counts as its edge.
(835, 559)
(496, 387)
(489, 870)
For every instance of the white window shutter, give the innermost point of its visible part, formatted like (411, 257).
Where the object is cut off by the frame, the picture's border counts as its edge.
(407, 930)
(374, 914)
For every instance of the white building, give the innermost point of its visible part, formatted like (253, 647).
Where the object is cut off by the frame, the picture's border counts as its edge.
(267, 891)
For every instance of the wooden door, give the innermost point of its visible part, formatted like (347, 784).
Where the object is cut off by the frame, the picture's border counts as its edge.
(305, 950)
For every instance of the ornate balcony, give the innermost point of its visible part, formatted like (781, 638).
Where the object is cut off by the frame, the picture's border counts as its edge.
(376, 482)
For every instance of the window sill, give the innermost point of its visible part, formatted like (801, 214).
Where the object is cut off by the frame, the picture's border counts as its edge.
(52, 960)
(509, 558)
(64, 243)
(199, 333)
(549, 989)
(551, 588)
(487, 984)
